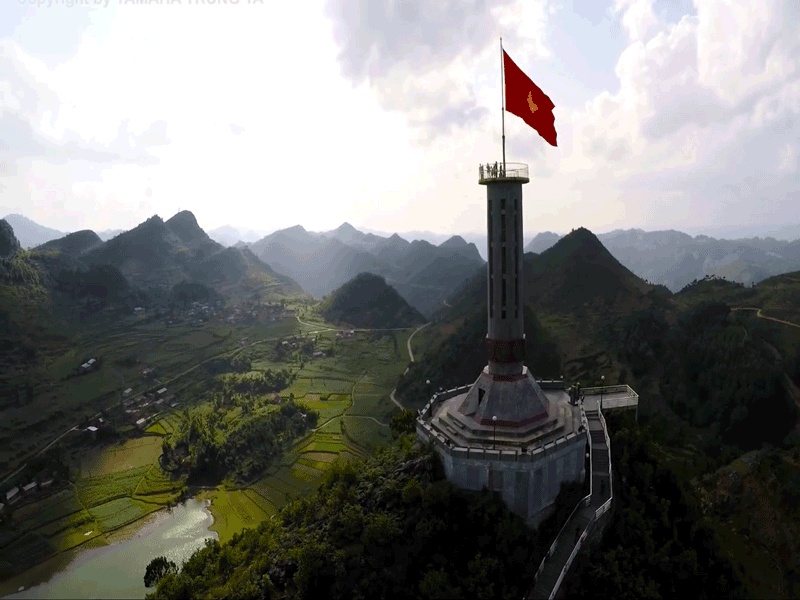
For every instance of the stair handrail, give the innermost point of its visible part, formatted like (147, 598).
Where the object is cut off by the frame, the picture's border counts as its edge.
(582, 502)
(572, 555)
(597, 513)
(607, 504)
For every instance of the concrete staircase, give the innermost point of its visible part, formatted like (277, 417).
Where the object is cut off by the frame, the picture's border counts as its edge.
(554, 564)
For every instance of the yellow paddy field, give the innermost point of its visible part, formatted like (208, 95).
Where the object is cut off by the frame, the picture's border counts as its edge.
(131, 454)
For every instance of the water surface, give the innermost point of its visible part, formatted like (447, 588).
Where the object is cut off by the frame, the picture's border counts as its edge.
(117, 570)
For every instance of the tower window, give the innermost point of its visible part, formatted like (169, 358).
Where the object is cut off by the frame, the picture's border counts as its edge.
(481, 392)
(516, 282)
(491, 294)
(503, 297)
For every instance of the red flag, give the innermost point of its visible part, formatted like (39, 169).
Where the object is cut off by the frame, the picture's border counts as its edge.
(528, 102)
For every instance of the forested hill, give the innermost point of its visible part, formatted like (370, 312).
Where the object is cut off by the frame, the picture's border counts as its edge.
(9, 244)
(575, 271)
(368, 301)
(458, 358)
(73, 244)
(162, 254)
(388, 527)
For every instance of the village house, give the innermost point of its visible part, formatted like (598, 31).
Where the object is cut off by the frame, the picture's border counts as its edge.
(12, 496)
(46, 483)
(319, 354)
(2, 507)
(92, 431)
(148, 373)
(91, 362)
(29, 488)
(127, 392)
(141, 423)
(162, 391)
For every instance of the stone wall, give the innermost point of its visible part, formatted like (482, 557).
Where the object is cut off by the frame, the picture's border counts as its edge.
(529, 481)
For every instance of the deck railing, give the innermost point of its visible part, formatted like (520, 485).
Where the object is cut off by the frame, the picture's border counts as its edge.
(489, 172)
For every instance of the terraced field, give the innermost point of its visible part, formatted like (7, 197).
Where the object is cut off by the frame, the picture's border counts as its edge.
(122, 483)
(131, 454)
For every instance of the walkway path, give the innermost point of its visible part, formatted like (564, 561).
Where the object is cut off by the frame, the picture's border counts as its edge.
(580, 518)
(411, 359)
(410, 353)
(759, 315)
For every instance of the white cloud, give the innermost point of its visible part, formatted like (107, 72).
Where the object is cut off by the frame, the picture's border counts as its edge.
(380, 113)
(638, 17)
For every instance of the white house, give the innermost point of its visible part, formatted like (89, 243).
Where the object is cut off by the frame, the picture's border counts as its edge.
(12, 495)
(127, 392)
(31, 487)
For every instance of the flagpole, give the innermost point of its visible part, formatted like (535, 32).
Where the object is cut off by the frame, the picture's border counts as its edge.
(503, 107)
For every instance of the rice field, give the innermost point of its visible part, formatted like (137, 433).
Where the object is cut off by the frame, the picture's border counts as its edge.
(123, 483)
(121, 511)
(94, 491)
(131, 454)
(49, 509)
(28, 550)
(365, 432)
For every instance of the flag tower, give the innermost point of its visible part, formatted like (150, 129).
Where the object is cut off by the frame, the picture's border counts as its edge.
(507, 431)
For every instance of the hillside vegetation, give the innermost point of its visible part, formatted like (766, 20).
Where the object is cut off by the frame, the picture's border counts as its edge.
(163, 254)
(235, 436)
(383, 527)
(458, 358)
(367, 301)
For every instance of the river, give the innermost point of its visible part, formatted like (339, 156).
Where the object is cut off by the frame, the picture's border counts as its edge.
(117, 569)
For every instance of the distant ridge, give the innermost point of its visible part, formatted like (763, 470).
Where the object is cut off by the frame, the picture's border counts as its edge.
(368, 301)
(163, 254)
(577, 270)
(542, 242)
(184, 225)
(29, 233)
(74, 244)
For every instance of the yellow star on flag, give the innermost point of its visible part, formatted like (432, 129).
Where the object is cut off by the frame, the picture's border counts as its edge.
(533, 107)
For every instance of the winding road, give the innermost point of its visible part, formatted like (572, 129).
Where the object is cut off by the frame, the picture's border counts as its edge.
(411, 359)
(760, 316)
(410, 353)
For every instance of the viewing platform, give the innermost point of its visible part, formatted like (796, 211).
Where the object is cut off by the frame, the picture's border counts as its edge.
(490, 173)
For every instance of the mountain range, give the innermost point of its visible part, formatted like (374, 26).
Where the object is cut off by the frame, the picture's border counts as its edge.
(161, 254)
(675, 259)
(30, 234)
(422, 273)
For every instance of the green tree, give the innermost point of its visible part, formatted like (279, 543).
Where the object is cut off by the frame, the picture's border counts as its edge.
(158, 568)
(403, 423)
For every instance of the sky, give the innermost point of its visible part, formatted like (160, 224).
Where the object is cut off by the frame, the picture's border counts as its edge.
(670, 114)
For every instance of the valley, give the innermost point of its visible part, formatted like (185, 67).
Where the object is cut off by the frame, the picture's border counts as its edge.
(255, 401)
(114, 476)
